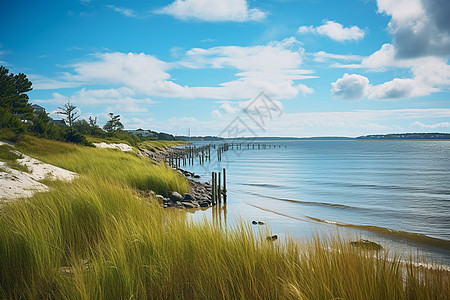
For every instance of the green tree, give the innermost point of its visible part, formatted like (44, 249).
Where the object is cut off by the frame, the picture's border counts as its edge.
(113, 124)
(70, 113)
(40, 123)
(14, 106)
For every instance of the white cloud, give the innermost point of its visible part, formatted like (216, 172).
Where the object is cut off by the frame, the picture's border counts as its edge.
(400, 88)
(431, 126)
(350, 87)
(335, 31)
(213, 10)
(274, 68)
(127, 12)
(323, 56)
(121, 99)
(419, 27)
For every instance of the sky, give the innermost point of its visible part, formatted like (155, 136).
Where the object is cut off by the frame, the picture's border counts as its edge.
(326, 68)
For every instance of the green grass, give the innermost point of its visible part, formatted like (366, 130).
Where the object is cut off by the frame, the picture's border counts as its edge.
(95, 238)
(10, 158)
(159, 145)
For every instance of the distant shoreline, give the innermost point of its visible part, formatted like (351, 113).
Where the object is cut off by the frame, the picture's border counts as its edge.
(397, 136)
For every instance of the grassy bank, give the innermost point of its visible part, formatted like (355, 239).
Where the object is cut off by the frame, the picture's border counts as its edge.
(96, 238)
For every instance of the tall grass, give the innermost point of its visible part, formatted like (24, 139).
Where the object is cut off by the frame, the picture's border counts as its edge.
(96, 239)
(159, 145)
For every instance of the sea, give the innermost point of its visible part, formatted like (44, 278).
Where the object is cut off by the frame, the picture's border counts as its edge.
(393, 192)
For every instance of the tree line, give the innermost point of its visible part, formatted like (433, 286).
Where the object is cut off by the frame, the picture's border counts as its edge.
(18, 116)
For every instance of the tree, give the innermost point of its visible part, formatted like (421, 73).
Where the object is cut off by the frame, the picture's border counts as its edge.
(113, 124)
(14, 106)
(69, 110)
(93, 122)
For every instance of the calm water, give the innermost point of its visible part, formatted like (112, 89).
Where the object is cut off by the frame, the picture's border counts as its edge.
(394, 192)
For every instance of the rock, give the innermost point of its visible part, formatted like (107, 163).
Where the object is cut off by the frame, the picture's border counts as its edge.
(188, 204)
(272, 238)
(261, 223)
(196, 176)
(188, 196)
(203, 203)
(160, 198)
(176, 197)
(254, 222)
(178, 204)
(367, 245)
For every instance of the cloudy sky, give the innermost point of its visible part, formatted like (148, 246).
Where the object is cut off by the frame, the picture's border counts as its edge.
(346, 68)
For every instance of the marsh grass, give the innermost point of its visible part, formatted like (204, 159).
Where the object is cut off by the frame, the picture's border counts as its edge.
(159, 145)
(8, 156)
(96, 239)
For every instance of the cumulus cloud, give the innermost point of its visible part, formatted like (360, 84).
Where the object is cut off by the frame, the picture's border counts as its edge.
(335, 31)
(213, 10)
(350, 87)
(419, 27)
(274, 68)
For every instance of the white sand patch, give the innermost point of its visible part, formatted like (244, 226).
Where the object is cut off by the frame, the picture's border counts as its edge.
(40, 170)
(16, 184)
(121, 146)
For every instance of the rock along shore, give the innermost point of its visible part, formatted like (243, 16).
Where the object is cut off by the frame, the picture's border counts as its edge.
(199, 195)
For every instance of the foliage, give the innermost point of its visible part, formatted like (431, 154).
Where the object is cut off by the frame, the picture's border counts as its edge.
(69, 110)
(113, 124)
(14, 106)
(13, 97)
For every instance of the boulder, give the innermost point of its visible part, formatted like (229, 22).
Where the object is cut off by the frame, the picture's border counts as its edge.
(203, 203)
(176, 197)
(178, 204)
(188, 196)
(160, 198)
(189, 205)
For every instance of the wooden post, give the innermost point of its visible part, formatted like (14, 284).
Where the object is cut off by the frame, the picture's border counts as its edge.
(219, 191)
(224, 186)
(213, 188)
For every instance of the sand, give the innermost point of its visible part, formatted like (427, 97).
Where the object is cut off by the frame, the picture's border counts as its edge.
(121, 146)
(16, 184)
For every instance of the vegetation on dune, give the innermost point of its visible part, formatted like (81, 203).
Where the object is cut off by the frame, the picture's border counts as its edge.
(94, 238)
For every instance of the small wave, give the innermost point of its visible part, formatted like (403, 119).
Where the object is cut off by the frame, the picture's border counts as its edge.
(343, 206)
(263, 185)
(417, 238)
(278, 213)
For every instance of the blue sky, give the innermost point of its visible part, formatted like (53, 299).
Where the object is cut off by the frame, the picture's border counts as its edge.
(344, 68)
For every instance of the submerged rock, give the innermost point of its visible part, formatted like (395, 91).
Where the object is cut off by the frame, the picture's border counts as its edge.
(254, 222)
(367, 245)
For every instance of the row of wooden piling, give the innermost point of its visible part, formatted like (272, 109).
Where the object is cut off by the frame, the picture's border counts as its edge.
(189, 155)
(219, 187)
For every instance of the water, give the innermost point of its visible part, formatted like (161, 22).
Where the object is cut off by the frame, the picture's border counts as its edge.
(394, 192)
